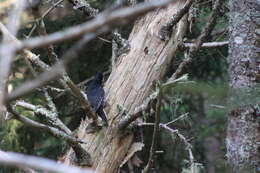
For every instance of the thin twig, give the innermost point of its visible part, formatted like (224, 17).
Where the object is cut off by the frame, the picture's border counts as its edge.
(66, 81)
(219, 32)
(105, 40)
(32, 123)
(51, 116)
(187, 144)
(51, 8)
(83, 6)
(52, 56)
(155, 132)
(177, 119)
(205, 32)
(129, 118)
(182, 137)
(112, 19)
(42, 66)
(47, 96)
(207, 45)
(42, 17)
(30, 86)
(92, 12)
(82, 156)
(217, 106)
(53, 73)
(102, 21)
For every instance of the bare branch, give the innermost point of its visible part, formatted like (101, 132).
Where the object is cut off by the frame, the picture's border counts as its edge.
(52, 56)
(82, 157)
(32, 123)
(129, 118)
(207, 45)
(43, 16)
(53, 73)
(51, 8)
(6, 56)
(21, 160)
(188, 145)
(175, 131)
(30, 86)
(85, 7)
(155, 132)
(105, 19)
(180, 117)
(120, 44)
(205, 32)
(166, 30)
(51, 116)
(50, 103)
(219, 32)
(82, 99)
(14, 16)
(114, 54)
(209, 26)
(54, 89)
(118, 40)
(217, 106)
(100, 22)
(65, 81)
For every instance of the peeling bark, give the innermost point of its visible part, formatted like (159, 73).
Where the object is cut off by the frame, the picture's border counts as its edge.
(130, 82)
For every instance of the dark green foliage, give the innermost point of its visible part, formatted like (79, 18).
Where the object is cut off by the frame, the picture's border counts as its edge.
(14, 136)
(208, 70)
(205, 124)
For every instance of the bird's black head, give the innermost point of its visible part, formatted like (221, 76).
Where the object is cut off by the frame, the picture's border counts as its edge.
(99, 78)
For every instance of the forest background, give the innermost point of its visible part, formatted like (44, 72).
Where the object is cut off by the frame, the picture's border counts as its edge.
(198, 107)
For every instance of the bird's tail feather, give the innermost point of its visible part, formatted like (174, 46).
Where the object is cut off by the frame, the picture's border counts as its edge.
(103, 116)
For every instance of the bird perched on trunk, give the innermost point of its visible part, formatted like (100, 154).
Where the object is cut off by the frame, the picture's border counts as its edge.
(96, 97)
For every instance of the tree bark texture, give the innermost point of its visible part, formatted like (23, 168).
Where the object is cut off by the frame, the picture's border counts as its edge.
(243, 132)
(130, 82)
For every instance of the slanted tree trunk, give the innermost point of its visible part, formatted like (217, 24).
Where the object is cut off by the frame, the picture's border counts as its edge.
(130, 82)
(243, 132)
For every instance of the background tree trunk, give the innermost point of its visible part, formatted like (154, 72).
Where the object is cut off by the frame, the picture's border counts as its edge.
(130, 82)
(243, 133)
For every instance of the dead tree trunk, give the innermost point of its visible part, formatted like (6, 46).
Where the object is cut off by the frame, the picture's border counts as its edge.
(130, 82)
(243, 132)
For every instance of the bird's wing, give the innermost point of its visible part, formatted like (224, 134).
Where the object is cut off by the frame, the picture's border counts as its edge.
(100, 97)
(96, 96)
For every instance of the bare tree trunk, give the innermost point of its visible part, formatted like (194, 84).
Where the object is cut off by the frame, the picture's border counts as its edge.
(130, 82)
(243, 133)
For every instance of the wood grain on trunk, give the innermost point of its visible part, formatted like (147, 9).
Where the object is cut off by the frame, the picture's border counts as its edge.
(131, 81)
